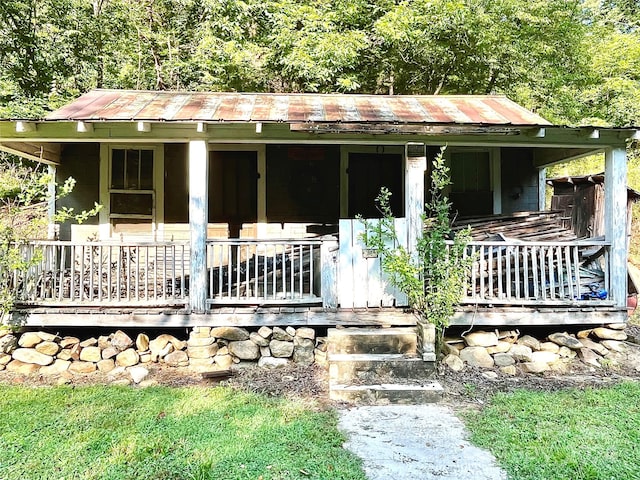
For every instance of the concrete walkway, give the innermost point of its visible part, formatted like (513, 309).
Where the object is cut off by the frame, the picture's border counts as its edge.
(409, 442)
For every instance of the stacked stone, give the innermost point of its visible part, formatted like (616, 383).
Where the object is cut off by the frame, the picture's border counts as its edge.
(270, 347)
(206, 349)
(512, 353)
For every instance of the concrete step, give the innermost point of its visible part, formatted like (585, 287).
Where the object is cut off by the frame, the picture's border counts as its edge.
(359, 368)
(372, 341)
(384, 394)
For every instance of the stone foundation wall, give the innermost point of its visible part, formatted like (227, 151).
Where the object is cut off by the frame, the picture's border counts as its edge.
(512, 353)
(205, 349)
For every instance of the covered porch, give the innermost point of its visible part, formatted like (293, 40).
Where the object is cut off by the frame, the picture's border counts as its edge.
(240, 210)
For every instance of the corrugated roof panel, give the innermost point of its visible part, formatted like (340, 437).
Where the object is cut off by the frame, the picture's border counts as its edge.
(130, 105)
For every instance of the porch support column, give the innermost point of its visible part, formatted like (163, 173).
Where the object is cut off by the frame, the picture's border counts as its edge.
(198, 182)
(51, 202)
(615, 209)
(415, 166)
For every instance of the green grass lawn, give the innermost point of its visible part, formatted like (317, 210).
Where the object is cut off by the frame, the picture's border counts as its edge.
(590, 434)
(165, 433)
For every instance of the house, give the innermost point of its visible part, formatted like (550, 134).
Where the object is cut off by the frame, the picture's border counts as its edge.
(239, 209)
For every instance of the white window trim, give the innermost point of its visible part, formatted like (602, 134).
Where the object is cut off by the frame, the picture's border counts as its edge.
(157, 220)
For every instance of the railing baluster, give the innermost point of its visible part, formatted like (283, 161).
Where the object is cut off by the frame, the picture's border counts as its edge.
(517, 270)
(482, 268)
(525, 272)
(576, 260)
(558, 253)
(311, 267)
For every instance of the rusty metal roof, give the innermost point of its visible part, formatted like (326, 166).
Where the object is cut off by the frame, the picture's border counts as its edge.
(174, 106)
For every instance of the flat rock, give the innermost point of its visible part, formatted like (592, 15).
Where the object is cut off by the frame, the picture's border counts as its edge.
(91, 354)
(17, 366)
(481, 339)
(281, 335)
(599, 348)
(230, 333)
(303, 356)
(490, 375)
(454, 362)
(107, 365)
(584, 333)
(104, 341)
(290, 330)
(534, 367)
(56, 368)
(501, 347)
(510, 336)
(67, 342)
(258, 339)
(48, 337)
(617, 326)
(200, 332)
(509, 370)
(205, 351)
(223, 361)
(4, 358)
(544, 357)
(127, 358)
(589, 357)
(503, 359)
(614, 345)
(48, 348)
(89, 342)
(522, 353)
(245, 350)
(549, 347)
(110, 352)
(121, 340)
(476, 357)
(301, 343)
(529, 341)
(31, 355)
(179, 358)
(566, 352)
(281, 348)
(138, 374)
(609, 334)
(273, 362)
(200, 341)
(265, 332)
(306, 332)
(565, 340)
(29, 339)
(82, 367)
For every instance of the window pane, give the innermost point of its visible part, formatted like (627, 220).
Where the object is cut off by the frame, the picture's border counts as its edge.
(117, 169)
(146, 169)
(132, 178)
(132, 203)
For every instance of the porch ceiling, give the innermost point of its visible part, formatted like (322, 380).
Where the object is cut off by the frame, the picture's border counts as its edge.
(128, 105)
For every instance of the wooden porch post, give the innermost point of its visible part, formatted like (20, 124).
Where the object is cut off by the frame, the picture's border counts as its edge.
(51, 202)
(615, 207)
(198, 212)
(415, 166)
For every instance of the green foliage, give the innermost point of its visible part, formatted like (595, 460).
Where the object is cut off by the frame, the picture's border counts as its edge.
(589, 434)
(24, 194)
(166, 433)
(432, 277)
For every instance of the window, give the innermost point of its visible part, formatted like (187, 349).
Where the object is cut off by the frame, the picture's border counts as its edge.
(131, 183)
(471, 190)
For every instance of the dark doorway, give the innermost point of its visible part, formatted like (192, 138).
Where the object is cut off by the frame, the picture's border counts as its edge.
(233, 189)
(368, 173)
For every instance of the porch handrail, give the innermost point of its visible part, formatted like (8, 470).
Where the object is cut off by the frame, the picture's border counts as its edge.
(515, 272)
(64, 273)
(264, 271)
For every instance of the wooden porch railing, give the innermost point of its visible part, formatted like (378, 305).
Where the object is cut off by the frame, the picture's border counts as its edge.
(253, 271)
(538, 273)
(98, 273)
